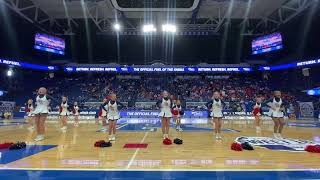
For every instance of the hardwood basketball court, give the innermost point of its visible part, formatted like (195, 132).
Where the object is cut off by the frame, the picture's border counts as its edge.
(74, 150)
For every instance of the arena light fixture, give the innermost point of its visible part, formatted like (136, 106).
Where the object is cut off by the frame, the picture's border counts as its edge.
(117, 27)
(170, 28)
(149, 28)
(9, 73)
(313, 92)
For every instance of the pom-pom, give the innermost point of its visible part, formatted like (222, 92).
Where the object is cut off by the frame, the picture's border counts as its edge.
(167, 141)
(175, 112)
(236, 147)
(98, 143)
(6, 145)
(312, 148)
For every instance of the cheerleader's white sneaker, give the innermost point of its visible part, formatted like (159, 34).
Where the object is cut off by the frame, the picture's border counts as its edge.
(39, 138)
(64, 129)
(217, 137)
(258, 129)
(31, 128)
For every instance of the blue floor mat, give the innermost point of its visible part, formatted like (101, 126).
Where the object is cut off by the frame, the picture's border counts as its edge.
(8, 156)
(176, 175)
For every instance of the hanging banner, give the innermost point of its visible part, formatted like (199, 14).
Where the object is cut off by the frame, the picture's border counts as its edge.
(6, 106)
(306, 109)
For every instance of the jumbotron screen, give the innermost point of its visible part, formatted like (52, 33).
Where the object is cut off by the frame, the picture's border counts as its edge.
(48, 43)
(263, 44)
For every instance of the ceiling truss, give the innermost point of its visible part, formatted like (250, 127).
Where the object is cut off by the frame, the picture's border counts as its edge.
(194, 25)
(282, 15)
(35, 15)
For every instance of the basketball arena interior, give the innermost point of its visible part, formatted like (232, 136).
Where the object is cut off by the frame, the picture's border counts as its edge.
(160, 89)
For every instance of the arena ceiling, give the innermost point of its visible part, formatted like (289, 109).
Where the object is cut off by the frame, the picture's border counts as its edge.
(64, 16)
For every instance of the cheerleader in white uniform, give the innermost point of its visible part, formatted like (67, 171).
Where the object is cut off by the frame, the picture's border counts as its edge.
(64, 112)
(257, 113)
(165, 105)
(215, 107)
(177, 112)
(277, 109)
(30, 115)
(113, 115)
(103, 114)
(76, 114)
(41, 112)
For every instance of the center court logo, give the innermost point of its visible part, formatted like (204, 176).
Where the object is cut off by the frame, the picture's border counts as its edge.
(276, 144)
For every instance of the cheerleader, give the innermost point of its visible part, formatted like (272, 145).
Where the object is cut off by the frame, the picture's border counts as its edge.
(113, 115)
(257, 113)
(76, 112)
(102, 115)
(177, 113)
(64, 112)
(215, 107)
(277, 109)
(41, 112)
(30, 115)
(165, 105)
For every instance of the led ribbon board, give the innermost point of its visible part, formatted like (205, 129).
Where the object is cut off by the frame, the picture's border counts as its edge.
(157, 69)
(291, 65)
(27, 65)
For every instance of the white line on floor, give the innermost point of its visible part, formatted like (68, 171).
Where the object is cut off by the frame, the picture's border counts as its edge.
(137, 150)
(124, 125)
